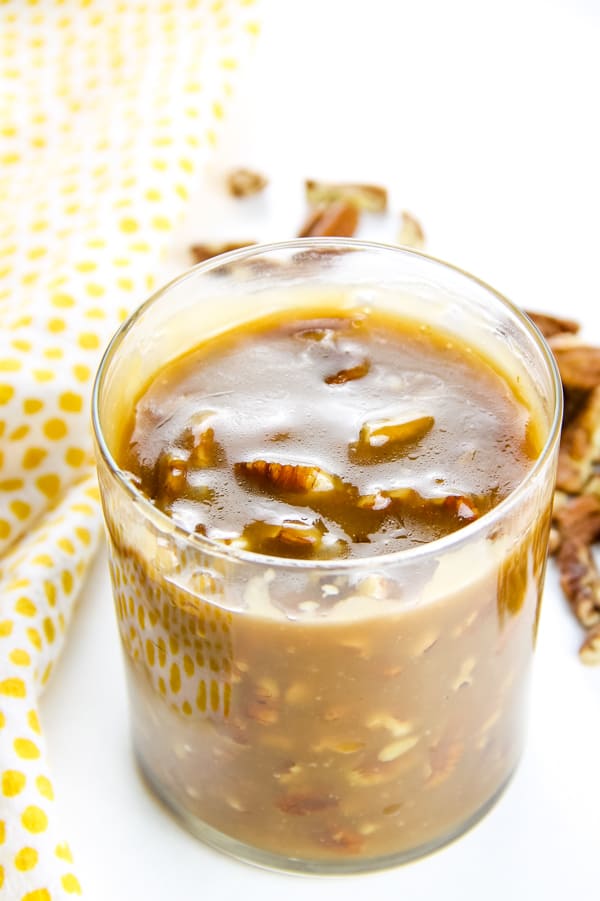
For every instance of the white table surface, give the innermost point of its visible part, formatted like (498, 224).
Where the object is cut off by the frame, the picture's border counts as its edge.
(482, 120)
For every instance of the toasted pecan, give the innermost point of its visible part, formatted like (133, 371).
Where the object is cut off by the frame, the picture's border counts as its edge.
(202, 252)
(338, 219)
(580, 446)
(285, 477)
(245, 182)
(372, 198)
(577, 520)
(578, 364)
(550, 326)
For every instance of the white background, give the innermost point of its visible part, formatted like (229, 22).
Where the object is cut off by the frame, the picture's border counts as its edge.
(482, 119)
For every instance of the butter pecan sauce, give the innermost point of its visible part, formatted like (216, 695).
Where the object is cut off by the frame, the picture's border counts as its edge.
(363, 434)
(329, 435)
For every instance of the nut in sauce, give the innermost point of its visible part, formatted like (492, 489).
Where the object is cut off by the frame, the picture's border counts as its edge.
(333, 711)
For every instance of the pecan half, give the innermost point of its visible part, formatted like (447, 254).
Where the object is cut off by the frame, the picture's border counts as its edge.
(202, 252)
(245, 182)
(285, 477)
(411, 233)
(589, 652)
(550, 326)
(580, 446)
(578, 521)
(578, 518)
(579, 365)
(338, 219)
(372, 198)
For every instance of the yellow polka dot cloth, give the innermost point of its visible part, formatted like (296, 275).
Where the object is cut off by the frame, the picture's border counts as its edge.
(107, 111)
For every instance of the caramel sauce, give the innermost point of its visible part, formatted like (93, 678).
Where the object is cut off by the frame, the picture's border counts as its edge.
(328, 436)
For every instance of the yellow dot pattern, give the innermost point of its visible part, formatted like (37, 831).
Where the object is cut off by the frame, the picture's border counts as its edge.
(108, 110)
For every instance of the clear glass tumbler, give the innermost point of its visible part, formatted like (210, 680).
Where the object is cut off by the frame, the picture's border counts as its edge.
(385, 715)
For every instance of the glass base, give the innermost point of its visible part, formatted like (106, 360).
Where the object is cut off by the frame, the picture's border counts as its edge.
(259, 857)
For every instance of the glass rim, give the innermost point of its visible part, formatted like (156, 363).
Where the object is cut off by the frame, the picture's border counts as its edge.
(214, 547)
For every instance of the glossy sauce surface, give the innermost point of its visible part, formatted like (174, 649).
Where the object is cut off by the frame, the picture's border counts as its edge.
(329, 435)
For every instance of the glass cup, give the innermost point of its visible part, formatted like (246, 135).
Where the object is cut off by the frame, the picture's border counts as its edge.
(327, 716)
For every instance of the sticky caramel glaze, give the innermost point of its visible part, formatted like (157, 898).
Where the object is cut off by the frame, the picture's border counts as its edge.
(327, 720)
(331, 436)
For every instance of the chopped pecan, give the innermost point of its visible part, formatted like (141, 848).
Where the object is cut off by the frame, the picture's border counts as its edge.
(580, 446)
(202, 252)
(334, 220)
(292, 538)
(443, 759)
(205, 451)
(589, 652)
(244, 182)
(171, 474)
(458, 506)
(342, 840)
(302, 804)
(285, 477)
(372, 198)
(380, 432)
(580, 581)
(550, 326)
(349, 375)
(411, 233)
(578, 521)
(579, 365)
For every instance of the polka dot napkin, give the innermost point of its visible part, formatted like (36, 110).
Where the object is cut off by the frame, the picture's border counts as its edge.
(107, 111)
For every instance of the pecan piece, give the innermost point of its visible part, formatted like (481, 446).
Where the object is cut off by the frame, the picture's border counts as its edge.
(579, 366)
(380, 432)
(411, 233)
(205, 451)
(292, 538)
(578, 521)
(202, 252)
(580, 446)
(349, 375)
(372, 198)
(171, 475)
(334, 220)
(589, 652)
(550, 326)
(302, 804)
(342, 840)
(456, 506)
(245, 182)
(285, 477)
(443, 759)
